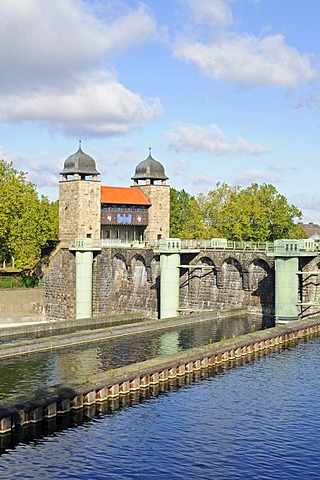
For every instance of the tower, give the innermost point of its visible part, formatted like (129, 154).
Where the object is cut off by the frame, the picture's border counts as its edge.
(152, 174)
(79, 198)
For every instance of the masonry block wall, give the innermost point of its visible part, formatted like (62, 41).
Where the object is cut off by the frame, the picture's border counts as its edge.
(59, 283)
(128, 280)
(79, 209)
(159, 212)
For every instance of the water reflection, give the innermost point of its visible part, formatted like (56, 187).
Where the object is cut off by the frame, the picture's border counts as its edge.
(29, 374)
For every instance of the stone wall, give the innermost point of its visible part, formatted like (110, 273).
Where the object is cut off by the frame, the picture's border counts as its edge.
(79, 209)
(159, 212)
(128, 280)
(228, 279)
(21, 303)
(59, 282)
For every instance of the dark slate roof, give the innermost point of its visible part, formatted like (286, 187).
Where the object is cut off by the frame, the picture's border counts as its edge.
(79, 163)
(149, 169)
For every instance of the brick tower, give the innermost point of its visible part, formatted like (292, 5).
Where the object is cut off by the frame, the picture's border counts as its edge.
(79, 198)
(154, 186)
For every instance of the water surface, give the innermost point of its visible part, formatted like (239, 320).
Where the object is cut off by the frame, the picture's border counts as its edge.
(29, 374)
(258, 421)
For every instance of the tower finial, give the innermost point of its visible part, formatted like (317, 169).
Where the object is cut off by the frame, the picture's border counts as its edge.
(80, 144)
(149, 151)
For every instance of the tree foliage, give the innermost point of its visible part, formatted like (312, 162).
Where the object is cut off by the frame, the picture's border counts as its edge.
(27, 221)
(256, 213)
(186, 219)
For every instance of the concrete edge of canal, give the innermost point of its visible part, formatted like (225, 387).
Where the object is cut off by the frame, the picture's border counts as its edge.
(107, 328)
(121, 382)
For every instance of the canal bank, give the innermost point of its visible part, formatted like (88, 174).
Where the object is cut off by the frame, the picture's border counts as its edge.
(27, 339)
(107, 387)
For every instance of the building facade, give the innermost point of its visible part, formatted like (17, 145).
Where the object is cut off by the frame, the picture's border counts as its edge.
(140, 213)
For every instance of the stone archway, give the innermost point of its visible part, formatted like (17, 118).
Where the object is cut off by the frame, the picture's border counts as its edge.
(203, 284)
(231, 292)
(261, 287)
(119, 273)
(309, 285)
(138, 271)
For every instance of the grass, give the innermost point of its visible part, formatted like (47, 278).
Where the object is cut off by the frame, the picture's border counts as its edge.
(18, 281)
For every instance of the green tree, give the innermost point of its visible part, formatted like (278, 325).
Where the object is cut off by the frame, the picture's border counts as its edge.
(186, 219)
(27, 222)
(179, 211)
(256, 213)
(297, 231)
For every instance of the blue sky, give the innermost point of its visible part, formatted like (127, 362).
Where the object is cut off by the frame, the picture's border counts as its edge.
(221, 90)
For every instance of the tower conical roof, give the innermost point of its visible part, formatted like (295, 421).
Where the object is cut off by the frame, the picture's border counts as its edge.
(79, 163)
(149, 169)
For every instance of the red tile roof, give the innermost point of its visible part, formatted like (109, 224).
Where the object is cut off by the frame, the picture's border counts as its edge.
(123, 196)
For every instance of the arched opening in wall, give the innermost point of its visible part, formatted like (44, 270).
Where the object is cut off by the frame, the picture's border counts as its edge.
(261, 284)
(231, 294)
(155, 269)
(203, 284)
(310, 289)
(119, 272)
(155, 279)
(138, 271)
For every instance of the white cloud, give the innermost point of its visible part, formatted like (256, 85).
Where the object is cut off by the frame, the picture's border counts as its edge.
(249, 61)
(42, 174)
(55, 73)
(245, 177)
(306, 202)
(204, 179)
(241, 58)
(48, 45)
(197, 138)
(180, 168)
(98, 105)
(216, 12)
(277, 167)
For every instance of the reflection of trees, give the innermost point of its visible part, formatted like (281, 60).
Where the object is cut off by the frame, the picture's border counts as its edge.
(123, 351)
(30, 374)
(24, 376)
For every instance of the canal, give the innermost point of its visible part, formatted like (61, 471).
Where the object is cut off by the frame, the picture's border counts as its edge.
(28, 374)
(258, 421)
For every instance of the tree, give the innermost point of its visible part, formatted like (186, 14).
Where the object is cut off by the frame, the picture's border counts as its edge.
(179, 211)
(27, 222)
(186, 219)
(255, 213)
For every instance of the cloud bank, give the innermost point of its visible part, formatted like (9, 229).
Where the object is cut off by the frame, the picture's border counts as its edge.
(57, 66)
(240, 58)
(210, 139)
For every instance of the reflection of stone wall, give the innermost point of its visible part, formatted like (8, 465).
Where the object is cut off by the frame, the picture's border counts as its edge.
(127, 280)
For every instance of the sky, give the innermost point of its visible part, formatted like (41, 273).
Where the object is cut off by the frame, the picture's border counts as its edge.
(221, 90)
